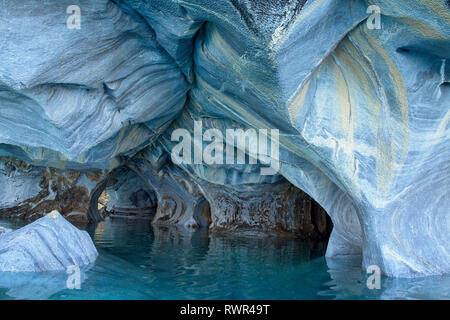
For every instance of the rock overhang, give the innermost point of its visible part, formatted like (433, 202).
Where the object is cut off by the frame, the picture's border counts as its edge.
(362, 112)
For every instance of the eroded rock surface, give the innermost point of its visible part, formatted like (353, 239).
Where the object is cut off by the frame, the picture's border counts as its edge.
(127, 196)
(362, 113)
(31, 192)
(279, 207)
(180, 201)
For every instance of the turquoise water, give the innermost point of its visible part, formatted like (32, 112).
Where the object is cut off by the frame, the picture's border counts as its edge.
(139, 261)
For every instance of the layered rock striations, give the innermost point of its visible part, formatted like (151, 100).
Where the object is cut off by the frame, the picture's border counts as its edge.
(362, 114)
(48, 244)
(33, 191)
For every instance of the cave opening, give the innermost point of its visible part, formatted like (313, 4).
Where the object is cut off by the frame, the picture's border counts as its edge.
(122, 195)
(321, 221)
(323, 226)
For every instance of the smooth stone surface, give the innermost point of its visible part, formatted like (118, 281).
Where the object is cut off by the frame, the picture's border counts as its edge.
(80, 98)
(48, 244)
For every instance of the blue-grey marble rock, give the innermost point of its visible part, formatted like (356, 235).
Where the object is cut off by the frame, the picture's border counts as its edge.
(363, 113)
(48, 244)
(4, 230)
(77, 98)
(180, 201)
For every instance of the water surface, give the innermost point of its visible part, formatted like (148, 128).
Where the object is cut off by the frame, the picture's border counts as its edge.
(139, 261)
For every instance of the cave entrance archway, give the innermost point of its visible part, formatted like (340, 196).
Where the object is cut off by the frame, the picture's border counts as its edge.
(122, 194)
(125, 192)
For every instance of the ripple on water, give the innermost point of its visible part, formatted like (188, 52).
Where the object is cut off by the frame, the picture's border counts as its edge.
(139, 261)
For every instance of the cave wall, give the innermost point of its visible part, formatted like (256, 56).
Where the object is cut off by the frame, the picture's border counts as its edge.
(362, 113)
(30, 192)
(272, 207)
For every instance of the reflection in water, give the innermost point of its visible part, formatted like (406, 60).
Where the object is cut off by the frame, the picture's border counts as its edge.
(349, 282)
(36, 286)
(139, 261)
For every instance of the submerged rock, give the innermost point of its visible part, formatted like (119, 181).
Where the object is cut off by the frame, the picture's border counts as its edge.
(48, 244)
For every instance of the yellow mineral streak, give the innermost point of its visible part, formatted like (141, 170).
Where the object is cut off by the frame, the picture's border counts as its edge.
(296, 105)
(424, 28)
(386, 152)
(438, 9)
(229, 105)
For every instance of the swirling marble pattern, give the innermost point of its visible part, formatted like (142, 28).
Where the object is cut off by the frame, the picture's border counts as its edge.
(363, 113)
(79, 98)
(48, 244)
